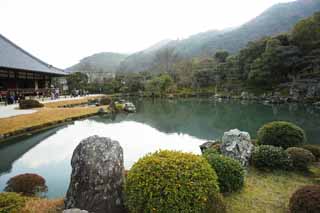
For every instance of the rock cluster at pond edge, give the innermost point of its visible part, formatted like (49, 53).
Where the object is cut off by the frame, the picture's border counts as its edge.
(237, 145)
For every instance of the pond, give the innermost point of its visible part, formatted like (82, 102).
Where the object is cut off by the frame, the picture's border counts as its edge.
(158, 124)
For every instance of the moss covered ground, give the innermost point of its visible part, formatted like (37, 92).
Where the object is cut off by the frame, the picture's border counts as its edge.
(268, 191)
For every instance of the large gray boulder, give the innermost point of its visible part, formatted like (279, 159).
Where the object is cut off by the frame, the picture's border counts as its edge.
(237, 145)
(97, 176)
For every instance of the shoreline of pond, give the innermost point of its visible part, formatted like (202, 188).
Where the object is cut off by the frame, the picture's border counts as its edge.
(30, 130)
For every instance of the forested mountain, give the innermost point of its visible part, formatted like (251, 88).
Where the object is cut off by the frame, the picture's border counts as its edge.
(143, 60)
(286, 64)
(105, 62)
(277, 19)
(100, 65)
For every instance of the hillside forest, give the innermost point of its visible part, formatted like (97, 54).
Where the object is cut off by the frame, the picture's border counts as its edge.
(274, 63)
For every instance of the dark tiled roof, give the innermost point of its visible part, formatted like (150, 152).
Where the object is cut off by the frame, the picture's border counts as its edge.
(14, 57)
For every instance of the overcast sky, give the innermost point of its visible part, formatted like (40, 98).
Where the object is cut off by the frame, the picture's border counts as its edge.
(61, 32)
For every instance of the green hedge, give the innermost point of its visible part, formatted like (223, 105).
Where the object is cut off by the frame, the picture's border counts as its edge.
(169, 181)
(281, 133)
(230, 172)
(267, 157)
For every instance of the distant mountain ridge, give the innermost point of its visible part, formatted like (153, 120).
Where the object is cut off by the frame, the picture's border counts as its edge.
(277, 19)
(100, 62)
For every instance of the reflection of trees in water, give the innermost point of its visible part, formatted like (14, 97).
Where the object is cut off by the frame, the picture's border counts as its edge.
(207, 119)
(15, 149)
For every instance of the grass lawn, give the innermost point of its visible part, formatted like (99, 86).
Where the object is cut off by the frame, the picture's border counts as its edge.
(268, 191)
(46, 116)
(37, 205)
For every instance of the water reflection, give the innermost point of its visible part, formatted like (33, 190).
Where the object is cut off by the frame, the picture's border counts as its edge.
(9, 153)
(207, 119)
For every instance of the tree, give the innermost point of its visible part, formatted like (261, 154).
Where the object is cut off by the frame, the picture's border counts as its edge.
(221, 56)
(183, 73)
(306, 33)
(164, 60)
(77, 80)
(160, 84)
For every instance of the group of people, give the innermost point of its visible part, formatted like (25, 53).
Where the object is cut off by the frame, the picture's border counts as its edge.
(55, 93)
(11, 97)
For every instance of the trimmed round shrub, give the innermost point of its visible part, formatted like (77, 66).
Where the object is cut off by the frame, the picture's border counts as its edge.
(105, 101)
(170, 181)
(306, 200)
(27, 184)
(29, 104)
(267, 157)
(301, 158)
(11, 202)
(314, 149)
(281, 133)
(230, 172)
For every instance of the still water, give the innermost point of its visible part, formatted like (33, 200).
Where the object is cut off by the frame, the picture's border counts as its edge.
(158, 124)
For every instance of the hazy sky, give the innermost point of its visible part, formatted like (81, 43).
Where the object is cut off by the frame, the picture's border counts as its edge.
(61, 32)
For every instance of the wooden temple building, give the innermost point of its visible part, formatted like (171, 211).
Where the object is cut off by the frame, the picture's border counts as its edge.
(22, 73)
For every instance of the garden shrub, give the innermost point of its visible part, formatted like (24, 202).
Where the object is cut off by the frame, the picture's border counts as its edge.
(211, 151)
(301, 158)
(314, 149)
(281, 133)
(170, 181)
(27, 184)
(11, 202)
(306, 200)
(29, 104)
(230, 172)
(270, 157)
(105, 101)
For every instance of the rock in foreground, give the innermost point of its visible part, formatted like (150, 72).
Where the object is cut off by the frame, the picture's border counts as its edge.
(97, 176)
(237, 145)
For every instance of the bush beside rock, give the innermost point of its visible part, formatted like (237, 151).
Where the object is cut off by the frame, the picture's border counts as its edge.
(169, 181)
(11, 202)
(230, 172)
(281, 133)
(267, 157)
(301, 158)
(29, 104)
(305, 200)
(27, 184)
